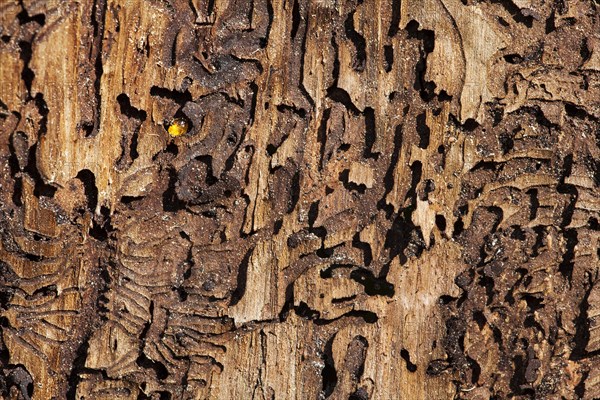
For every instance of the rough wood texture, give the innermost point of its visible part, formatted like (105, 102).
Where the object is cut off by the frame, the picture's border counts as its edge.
(376, 199)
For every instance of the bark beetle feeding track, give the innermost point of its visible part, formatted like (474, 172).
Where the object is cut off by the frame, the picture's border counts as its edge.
(373, 197)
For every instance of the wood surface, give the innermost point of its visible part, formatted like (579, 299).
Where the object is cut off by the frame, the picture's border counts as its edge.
(375, 200)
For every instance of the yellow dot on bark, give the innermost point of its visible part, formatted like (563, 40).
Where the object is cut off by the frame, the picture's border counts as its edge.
(178, 127)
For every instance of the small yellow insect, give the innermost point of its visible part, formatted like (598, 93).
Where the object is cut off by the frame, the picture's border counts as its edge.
(178, 127)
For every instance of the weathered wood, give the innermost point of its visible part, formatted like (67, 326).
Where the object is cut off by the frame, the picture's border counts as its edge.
(375, 199)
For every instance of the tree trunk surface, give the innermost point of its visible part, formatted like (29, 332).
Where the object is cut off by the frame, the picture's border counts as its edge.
(374, 200)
